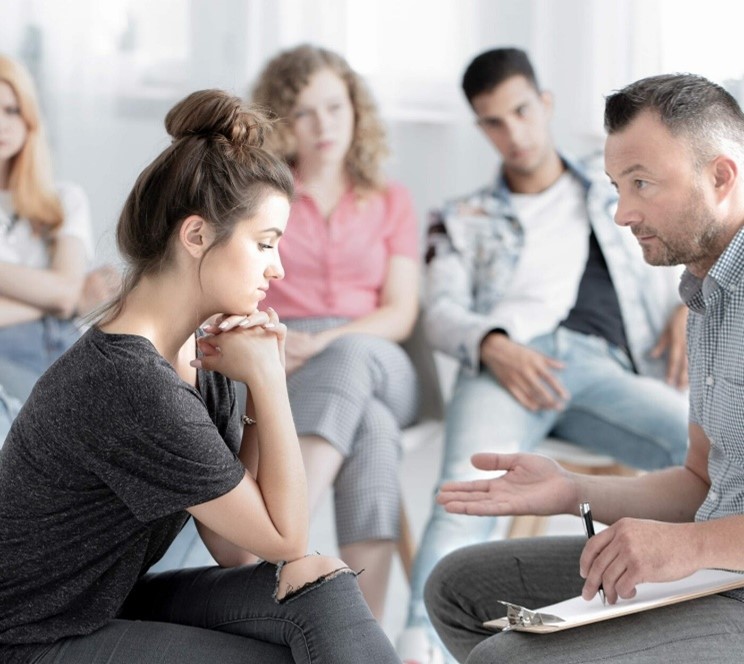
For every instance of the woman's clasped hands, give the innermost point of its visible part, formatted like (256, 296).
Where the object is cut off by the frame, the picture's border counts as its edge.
(242, 346)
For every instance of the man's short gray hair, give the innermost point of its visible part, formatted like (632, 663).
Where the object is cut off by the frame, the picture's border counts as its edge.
(687, 105)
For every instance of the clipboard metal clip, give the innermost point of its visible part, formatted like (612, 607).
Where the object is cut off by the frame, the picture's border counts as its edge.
(519, 616)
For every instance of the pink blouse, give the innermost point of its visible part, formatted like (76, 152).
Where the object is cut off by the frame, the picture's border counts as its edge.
(337, 267)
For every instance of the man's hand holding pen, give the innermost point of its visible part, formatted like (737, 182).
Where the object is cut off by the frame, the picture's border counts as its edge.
(585, 512)
(633, 551)
(629, 552)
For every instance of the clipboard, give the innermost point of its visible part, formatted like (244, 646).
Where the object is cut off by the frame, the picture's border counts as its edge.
(577, 611)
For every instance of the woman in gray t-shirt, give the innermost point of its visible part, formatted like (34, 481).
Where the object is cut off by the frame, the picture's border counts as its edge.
(132, 431)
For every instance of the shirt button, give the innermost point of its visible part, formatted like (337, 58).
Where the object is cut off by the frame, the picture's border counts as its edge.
(713, 495)
(709, 380)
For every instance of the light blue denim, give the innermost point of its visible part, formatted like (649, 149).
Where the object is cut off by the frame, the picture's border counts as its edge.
(9, 408)
(187, 550)
(29, 349)
(640, 421)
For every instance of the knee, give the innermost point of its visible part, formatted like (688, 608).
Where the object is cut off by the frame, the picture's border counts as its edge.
(380, 432)
(484, 653)
(442, 577)
(303, 574)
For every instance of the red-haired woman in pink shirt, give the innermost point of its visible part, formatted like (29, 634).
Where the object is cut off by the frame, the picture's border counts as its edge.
(349, 296)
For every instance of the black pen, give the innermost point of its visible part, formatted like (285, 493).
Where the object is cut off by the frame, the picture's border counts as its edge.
(586, 513)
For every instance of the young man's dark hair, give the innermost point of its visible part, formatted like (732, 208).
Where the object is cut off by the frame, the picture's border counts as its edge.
(493, 67)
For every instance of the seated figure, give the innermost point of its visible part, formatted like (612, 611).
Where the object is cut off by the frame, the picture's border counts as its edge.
(558, 324)
(349, 296)
(675, 152)
(45, 242)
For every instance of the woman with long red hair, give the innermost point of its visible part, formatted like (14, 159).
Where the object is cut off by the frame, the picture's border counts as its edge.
(45, 240)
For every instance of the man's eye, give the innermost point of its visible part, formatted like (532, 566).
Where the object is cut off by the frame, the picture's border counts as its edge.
(489, 123)
(263, 246)
(640, 184)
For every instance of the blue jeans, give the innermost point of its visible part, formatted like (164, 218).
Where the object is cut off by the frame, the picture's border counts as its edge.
(187, 550)
(9, 408)
(29, 349)
(640, 421)
(230, 616)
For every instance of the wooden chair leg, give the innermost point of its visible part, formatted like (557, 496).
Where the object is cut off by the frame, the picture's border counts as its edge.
(406, 544)
(527, 526)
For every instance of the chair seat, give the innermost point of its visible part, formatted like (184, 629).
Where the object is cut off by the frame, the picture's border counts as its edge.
(424, 432)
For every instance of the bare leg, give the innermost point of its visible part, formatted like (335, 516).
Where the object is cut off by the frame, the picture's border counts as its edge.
(322, 462)
(375, 557)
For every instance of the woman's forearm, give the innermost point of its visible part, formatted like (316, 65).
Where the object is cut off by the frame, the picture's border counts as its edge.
(56, 289)
(280, 473)
(396, 314)
(13, 312)
(388, 322)
(51, 291)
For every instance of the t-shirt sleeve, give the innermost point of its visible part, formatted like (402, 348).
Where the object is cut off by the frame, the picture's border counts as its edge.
(77, 222)
(403, 235)
(168, 455)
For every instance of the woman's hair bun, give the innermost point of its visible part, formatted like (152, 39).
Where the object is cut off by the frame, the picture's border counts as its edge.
(215, 113)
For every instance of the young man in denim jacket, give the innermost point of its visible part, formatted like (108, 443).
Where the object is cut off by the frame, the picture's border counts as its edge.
(559, 325)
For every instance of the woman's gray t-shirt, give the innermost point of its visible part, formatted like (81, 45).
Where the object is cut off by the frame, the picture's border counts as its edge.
(95, 476)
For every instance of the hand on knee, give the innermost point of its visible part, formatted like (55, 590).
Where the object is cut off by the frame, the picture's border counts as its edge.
(307, 573)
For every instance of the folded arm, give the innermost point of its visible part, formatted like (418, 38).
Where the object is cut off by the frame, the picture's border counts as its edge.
(54, 290)
(13, 312)
(393, 319)
(396, 314)
(265, 514)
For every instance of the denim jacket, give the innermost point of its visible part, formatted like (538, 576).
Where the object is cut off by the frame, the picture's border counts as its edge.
(474, 244)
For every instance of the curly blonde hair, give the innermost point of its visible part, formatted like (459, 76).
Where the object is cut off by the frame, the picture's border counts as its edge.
(281, 82)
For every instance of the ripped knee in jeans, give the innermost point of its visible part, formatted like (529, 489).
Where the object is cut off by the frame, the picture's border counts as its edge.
(305, 574)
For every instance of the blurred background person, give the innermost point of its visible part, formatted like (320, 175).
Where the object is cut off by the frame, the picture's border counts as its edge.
(349, 297)
(45, 241)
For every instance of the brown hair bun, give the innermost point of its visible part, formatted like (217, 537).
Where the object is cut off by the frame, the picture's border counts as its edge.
(215, 114)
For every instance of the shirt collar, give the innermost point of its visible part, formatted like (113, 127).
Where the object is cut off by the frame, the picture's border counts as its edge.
(301, 190)
(728, 270)
(727, 273)
(501, 188)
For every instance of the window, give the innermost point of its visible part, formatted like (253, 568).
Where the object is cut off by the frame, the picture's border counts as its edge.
(704, 39)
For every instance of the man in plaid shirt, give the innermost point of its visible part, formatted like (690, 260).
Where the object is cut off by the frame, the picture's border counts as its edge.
(675, 154)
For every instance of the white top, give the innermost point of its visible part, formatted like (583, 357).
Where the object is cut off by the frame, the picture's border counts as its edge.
(20, 246)
(551, 264)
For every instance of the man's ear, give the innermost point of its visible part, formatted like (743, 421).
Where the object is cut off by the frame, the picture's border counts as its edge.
(725, 173)
(195, 235)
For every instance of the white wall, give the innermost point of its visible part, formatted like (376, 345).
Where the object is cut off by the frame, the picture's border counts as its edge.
(105, 100)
